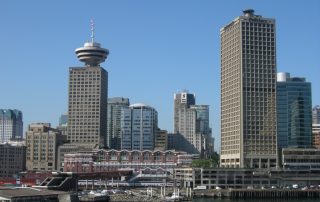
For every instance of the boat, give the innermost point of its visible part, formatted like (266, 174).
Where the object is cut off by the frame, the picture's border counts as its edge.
(174, 197)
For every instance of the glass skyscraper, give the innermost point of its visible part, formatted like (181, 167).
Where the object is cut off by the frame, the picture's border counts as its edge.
(115, 106)
(294, 112)
(138, 127)
(11, 125)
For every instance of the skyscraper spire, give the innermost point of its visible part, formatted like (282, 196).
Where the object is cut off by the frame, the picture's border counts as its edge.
(92, 30)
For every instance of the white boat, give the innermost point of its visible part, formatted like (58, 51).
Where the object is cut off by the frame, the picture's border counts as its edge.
(173, 197)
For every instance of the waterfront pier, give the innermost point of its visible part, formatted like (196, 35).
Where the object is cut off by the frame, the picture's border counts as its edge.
(258, 193)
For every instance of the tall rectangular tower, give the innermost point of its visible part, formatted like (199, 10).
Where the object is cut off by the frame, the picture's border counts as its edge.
(88, 105)
(294, 112)
(248, 92)
(139, 124)
(115, 106)
(88, 97)
(182, 101)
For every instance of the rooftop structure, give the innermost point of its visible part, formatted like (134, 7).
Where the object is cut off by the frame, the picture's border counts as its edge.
(91, 53)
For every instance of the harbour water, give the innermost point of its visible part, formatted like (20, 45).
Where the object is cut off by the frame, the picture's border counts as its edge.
(252, 200)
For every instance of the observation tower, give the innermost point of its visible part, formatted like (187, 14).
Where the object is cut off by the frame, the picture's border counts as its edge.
(91, 53)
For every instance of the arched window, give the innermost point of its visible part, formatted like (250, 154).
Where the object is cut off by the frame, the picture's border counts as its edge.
(146, 156)
(124, 156)
(157, 156)
(113, 156)
(135, 156)
(169, 156)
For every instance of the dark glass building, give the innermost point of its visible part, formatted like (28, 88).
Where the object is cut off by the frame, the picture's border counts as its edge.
(294, 112)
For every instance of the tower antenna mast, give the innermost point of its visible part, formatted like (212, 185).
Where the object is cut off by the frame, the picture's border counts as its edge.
(92, 30)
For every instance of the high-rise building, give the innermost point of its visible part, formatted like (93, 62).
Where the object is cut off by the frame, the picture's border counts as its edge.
(115, 105)
(203, 129)
(248, 92)
(88, 96)
(293, 111)
(42, 143)
(182, 102)
(138, 127)
(11, 125)
(192, 121)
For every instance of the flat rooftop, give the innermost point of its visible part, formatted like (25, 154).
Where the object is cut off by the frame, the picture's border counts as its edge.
(14, 192)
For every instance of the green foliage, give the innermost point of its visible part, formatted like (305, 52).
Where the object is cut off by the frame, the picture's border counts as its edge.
(201, 163)
(213, 161)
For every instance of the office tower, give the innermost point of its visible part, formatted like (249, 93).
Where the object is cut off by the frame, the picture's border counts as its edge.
(88, 96)
(203, 129)
(11, 125)
(248, 92)
(42, 143)
(12, 158)
(294, 111)
(182, 102)
(138, 127)
(192, 121)
(115, 105)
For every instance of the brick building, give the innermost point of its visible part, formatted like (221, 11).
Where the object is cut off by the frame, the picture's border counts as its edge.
(106, 160)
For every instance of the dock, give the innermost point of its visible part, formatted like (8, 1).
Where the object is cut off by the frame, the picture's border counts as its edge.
(259, 193)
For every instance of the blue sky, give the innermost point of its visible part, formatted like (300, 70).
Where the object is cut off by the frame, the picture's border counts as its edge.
(156, 48)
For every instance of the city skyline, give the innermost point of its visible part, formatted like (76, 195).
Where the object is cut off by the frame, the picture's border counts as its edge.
(178, 41)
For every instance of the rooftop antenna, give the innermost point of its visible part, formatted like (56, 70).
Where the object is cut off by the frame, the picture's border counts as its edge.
(92, 30)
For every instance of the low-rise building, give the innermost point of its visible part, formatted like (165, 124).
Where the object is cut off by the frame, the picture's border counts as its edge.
(71, 148)
(212, 178)
(12, 159)
(299, 158)
(29, 194)
(42, 143)
(161, 140)
(108, 160)
(316, 135)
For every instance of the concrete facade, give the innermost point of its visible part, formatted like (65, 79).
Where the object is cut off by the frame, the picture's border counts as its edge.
(192, 121)
(161, 140)
(244, 178)
(88, 97)
(248, 92)
(87, 113)
(42, 143)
